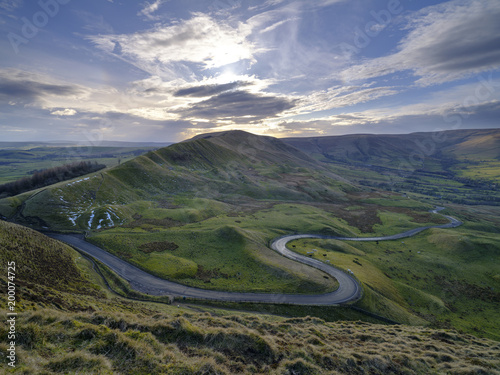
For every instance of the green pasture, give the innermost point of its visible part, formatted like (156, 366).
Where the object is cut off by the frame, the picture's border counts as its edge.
(448, 277)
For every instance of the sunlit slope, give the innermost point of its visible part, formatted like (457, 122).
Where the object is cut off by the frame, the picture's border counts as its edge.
(228, 166)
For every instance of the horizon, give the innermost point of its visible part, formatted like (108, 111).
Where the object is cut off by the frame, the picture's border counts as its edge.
(171, 69)
(98, 143)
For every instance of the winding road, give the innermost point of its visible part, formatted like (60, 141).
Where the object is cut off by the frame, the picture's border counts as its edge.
(349, 288)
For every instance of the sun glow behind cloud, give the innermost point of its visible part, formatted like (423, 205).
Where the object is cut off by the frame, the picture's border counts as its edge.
(174, 68)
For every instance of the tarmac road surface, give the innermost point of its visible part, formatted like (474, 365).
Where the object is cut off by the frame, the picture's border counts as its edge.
(349, 288)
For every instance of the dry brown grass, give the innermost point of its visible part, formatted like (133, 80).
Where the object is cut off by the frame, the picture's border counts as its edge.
(198, 343)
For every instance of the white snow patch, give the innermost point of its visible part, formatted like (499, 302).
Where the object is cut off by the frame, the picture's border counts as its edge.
(74, 182)
(99, 226)
(92, 214)
(73, 218)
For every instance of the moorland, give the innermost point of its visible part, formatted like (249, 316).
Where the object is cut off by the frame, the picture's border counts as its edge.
(202, 213)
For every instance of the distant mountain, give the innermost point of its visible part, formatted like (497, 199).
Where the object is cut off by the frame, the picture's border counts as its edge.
(27, 145)
(386, 149)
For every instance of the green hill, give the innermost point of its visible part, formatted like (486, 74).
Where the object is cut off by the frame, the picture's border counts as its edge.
(231, 166)
(69, 323)
(202, 213)
(385, 149)
(457, 166)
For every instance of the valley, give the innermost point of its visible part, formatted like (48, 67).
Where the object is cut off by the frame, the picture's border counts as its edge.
(204, 213)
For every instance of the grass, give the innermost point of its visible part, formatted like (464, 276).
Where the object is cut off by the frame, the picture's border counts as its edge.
(194, 343)
(446, 277)
(68, 323)
(223, 258)
(223, 246)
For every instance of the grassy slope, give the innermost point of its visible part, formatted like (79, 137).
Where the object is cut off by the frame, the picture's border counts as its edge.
(460, 166)
(89, 331)
(450, 278)
(228, 193)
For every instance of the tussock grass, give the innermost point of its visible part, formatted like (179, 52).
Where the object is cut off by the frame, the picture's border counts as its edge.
(198, 343)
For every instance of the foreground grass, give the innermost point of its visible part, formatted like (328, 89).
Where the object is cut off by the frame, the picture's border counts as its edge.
(192, 343)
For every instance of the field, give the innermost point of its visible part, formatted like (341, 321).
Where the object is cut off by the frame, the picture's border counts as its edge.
(18, 161)
(69, 322)
(222, 246)
(449, 278)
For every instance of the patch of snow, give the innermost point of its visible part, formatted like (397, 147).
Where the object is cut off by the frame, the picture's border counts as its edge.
(109, 218)
(74, 182)
(99, 226)
(73, 218)
(92, 214)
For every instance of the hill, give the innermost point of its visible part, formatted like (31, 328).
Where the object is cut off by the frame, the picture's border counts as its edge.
(459, 166)
(375, 149)
(165, 195)
(231, 166)
(202, 213)
(69, 323)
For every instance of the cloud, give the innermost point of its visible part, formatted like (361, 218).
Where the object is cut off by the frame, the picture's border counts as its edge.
(239, 106)
(446, 42)
(150, 8)
(209, 90)
(26, 88)
(343, 96)
(10, 5)
(168, 50)
(480, 117)
(94, 23)
(64, 112)
(277, 24)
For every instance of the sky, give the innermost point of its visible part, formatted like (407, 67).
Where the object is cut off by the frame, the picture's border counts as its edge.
(167, 70)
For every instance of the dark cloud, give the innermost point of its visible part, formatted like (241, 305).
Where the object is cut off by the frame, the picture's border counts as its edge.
(448, 41)
(483, 116)
(209, 90)
(29, 90)
(473, 45)
(239, 106)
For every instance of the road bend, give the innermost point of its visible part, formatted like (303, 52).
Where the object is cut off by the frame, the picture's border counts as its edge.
(349, 288)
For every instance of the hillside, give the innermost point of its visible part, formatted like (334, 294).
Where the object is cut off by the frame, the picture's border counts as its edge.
(380, 150)
(203, 212)
(69, 323)
(232, 166)
(458, 166)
